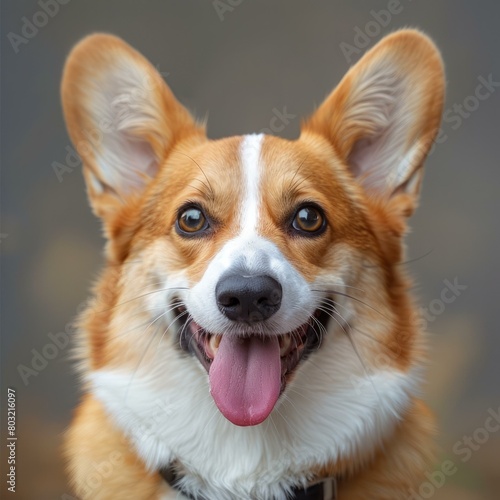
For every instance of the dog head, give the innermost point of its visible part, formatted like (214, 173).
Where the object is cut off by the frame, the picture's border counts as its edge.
(243, 257)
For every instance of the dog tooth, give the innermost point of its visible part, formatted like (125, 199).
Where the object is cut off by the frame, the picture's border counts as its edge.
(285, 342)
(214, 343)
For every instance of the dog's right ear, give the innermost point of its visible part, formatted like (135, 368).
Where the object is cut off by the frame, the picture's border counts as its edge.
(122, 118)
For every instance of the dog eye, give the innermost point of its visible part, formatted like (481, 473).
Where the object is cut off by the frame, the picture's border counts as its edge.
(309, 219)
(191, 220)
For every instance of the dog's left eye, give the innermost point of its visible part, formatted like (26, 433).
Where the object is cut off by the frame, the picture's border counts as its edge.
(191, 220)
(309, 219)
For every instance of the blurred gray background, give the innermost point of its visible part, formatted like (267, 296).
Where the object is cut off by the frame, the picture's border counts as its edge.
(238, 62)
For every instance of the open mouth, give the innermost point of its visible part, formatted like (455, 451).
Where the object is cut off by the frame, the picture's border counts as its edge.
(248, 373)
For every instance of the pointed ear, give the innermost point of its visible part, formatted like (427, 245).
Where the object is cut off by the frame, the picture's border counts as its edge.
(384, 115)
(122, 118)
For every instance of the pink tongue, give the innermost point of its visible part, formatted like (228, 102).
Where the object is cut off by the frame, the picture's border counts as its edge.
(245, 378)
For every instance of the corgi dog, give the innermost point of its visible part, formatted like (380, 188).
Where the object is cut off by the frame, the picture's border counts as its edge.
(252, 335)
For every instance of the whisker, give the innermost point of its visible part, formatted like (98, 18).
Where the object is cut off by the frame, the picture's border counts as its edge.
(212, 193)
(214, 416)
(149, 285)
(328, 306)
(138, 365)
(290, 188)
(148, 346)
(323, 331)
(340, 284)
(405, 262)
(371, 337)
(298, 182)
(114, 337)
(197, 189)
(146, 322)
(183, 313)
(122, 264)
(184, 330)
(335, 311)
(141, 296)
(367, 372)
(277, 434)
(302, 395)
(336, 292)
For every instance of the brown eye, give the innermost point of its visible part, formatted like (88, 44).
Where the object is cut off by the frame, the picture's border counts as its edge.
(191, 220)
(309, 219)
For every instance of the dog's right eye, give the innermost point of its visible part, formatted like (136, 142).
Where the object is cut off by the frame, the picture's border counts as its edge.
(191, 220)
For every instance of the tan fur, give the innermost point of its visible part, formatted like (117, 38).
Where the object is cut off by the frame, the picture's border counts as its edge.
(105, 467)
(365, 227)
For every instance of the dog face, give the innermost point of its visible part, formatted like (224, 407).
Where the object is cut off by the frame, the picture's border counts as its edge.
(250, 267)
(257, 244)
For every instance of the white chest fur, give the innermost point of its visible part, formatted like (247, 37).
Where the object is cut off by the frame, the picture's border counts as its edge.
(332, 409)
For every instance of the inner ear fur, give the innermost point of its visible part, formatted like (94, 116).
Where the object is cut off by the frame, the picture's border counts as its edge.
(383, 117)
(122, 118)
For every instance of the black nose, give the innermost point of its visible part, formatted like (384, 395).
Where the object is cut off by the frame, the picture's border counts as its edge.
(248, 298)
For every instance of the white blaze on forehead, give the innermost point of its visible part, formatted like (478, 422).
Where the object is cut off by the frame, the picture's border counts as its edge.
(250, 161)
(250, 254)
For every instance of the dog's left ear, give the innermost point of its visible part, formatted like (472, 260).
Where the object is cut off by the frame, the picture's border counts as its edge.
(384, 115)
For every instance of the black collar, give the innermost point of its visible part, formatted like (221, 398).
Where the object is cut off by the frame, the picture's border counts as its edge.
(325, 489)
